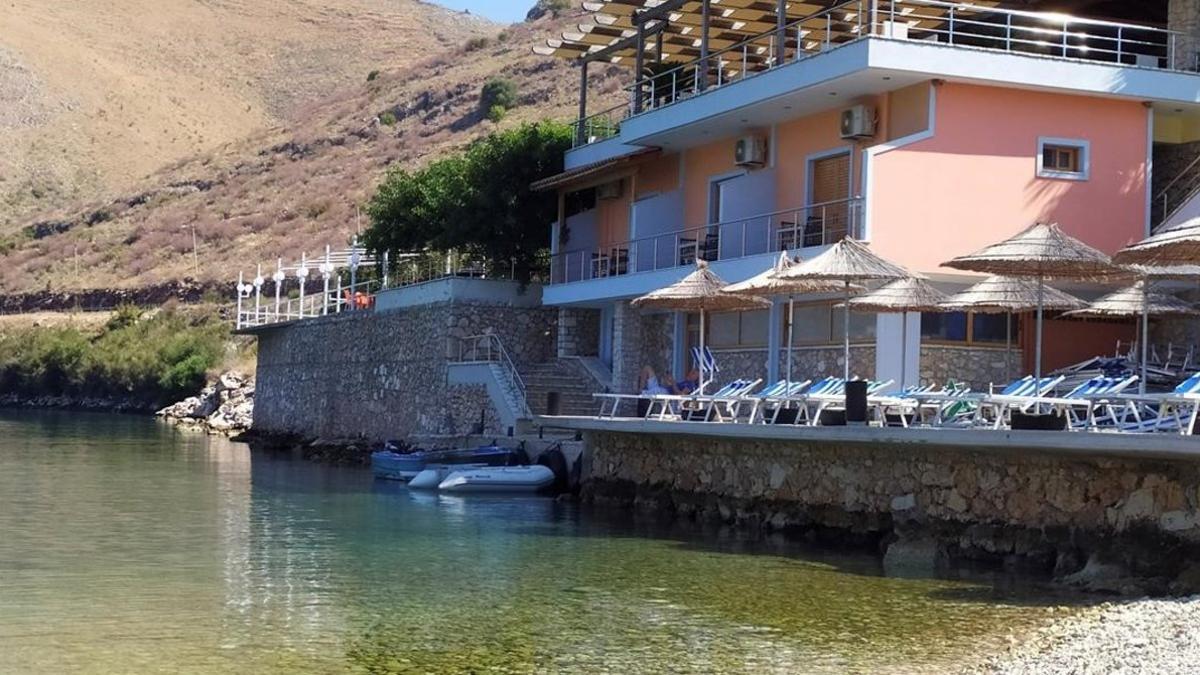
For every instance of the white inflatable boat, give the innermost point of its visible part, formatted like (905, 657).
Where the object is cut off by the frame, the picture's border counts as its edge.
(498, 479)
(432, 476)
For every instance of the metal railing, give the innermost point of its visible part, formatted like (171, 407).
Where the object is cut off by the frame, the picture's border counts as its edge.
(254, 308)
(488, 348)
(801, 227)
(1045, 34)
(1177, 192)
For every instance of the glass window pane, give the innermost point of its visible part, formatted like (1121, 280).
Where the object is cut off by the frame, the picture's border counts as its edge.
(755, 328)
(990, 328)
(950, 327)
(812, 325)
(723, 329)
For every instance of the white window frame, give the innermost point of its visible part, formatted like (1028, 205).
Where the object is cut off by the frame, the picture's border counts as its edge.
(1085, 158)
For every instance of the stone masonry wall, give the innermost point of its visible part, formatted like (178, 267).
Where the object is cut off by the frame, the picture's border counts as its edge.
(1184, 16)
(1049, 510)
(977, 367)
(383, 375)
(578, 332)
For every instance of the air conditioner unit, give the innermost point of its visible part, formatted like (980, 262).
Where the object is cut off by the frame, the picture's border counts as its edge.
(858, 122)
(609, 190)
(750, 151)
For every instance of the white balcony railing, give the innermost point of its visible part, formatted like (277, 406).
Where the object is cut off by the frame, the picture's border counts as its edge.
(802, 227)
(1043, 34)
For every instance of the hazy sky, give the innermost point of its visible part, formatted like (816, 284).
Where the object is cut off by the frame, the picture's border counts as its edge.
(506, 11)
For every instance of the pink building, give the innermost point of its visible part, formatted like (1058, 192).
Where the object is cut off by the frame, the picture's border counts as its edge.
(927, 129)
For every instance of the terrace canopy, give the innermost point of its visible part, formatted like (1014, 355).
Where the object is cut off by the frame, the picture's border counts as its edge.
(913, 294)
(1009, 295)
(700, 292)
(846, 262)
(1041, 251)
(769, 283)
(1175, 245)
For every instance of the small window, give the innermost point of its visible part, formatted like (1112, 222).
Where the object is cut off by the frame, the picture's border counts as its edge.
(1063, 159)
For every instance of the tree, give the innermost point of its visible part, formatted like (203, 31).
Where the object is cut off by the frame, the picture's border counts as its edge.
(498, 92)
(476, 202)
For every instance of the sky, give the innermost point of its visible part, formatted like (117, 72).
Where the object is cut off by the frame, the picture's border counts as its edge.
(504, 11)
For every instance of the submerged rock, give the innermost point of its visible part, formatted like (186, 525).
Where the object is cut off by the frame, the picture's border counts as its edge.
(224, 407)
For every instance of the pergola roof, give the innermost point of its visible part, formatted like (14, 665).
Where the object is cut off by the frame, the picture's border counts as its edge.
(610, 32)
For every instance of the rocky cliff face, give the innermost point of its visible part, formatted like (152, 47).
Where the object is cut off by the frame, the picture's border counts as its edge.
(224, 407)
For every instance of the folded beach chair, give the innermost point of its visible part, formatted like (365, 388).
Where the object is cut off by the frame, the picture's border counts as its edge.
(693, 405)
(837, 401)
(779, 390)
(709, 363)
(953, 405)
(1176, 411)
(1079, 405)
(1023, 394)
(800, 400)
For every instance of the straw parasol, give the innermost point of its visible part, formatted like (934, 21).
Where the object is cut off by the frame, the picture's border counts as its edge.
(846, 262)
(700, 292)
(1138, 300)
(913, 294)
(1173, 245)
(768, 283)
(1043, 251)
(1009, 295)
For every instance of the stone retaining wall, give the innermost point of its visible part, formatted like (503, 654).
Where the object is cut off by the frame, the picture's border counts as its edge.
(1052, 512)
(978, 367)
(383, 375)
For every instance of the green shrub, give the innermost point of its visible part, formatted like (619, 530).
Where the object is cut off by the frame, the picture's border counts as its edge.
(476, 43)
(372, 76)
(496, 113)
(498, 92)
(388, 118)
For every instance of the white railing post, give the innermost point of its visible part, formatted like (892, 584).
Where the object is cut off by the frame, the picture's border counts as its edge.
(278, 278)
(239, 300)
(258, 284)
(302, 276)
(326, 272)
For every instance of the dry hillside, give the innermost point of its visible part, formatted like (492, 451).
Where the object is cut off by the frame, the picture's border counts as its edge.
(97, 94)
(294, 187)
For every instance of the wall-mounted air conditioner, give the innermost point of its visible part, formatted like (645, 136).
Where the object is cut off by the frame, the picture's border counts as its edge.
(750, 151)
(609, 190)
(858, 122)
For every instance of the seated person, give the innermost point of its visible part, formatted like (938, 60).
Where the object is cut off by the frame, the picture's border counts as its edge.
(689, 383)
(648, 383)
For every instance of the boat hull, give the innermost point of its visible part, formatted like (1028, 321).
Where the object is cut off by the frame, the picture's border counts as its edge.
(404, 467)
(511, 479)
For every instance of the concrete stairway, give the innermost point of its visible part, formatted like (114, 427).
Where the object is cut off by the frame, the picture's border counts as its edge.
(573, 383)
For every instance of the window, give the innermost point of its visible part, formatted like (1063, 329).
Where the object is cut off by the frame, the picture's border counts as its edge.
(732, 330)
(1063, 159)
(823, 324)
(972, 328)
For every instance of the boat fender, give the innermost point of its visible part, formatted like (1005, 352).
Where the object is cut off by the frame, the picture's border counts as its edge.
(554, 460)
(520, 457)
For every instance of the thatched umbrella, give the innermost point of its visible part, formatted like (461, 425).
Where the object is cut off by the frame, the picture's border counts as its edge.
(913, 294)
(769, 283)
(1042, 251)
(700, 292)
(1138, 300)
(1009, 295)
(1174, 245)
(846, 262)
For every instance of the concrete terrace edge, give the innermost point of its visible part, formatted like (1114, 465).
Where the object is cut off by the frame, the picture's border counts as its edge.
(1077, 444)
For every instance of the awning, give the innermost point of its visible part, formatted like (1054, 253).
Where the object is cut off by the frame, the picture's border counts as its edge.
(580, 173)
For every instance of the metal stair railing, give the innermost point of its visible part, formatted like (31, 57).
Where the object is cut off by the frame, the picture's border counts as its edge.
(1178, 192)
(488, 348)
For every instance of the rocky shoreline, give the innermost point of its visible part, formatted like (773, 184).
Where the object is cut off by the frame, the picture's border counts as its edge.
(89, 404)
(225, 407)
(1142, 636)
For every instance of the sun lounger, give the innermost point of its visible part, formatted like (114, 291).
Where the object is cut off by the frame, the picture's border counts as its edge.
(837, 401)
(798, 401)
(1025, 395)
(779, 390)
(1078, 405)
(689, 405)
(1176, 411)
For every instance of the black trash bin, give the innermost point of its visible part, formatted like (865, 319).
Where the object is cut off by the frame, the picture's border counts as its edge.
(553, 402)
(856, 402)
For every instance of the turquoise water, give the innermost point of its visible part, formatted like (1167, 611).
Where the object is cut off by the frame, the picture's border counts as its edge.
(126, 547)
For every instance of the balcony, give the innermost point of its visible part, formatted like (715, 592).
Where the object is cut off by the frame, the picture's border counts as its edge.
(798, 228)
(927, 22)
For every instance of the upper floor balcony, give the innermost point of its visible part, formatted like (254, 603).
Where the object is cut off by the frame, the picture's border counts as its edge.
(798, 228)
(684, 61)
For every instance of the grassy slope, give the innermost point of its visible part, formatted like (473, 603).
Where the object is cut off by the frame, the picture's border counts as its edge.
(96, 94)
(295, 187)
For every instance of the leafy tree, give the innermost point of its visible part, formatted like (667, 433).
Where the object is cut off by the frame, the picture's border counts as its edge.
(498, 92)
(496, 113)
(478, 202)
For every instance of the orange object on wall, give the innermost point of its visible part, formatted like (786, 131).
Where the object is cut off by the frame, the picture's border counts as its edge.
(1069, 341)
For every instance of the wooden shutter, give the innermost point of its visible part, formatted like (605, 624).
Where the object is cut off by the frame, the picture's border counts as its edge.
(831, 179)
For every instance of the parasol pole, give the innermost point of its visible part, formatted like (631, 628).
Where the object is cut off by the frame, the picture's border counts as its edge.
(903, 351)
(1008, 346)
(1037, 366)
(1145, 332)
(846, 332)
(791, 326)
(700, 384)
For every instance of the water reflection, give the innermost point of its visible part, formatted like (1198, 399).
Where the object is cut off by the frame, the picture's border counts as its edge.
(129, 547)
